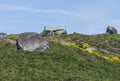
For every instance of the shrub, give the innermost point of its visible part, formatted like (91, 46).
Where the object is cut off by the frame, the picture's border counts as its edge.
(44, 33)
(13, 37)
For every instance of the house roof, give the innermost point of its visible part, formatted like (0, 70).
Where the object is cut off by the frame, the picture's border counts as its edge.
(54, 29)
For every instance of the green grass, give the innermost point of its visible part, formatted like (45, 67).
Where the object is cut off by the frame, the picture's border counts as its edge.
(59, 64)
(106, 42)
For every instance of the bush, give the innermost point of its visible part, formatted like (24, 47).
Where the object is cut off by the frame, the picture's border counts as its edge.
(13, 37)
(44, 33)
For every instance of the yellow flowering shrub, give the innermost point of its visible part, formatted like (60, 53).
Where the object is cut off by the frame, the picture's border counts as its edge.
(54, 41)
(85, 45)
(115, 58)
(68, 39)
(105, 57)
(13, 37)
(93, 52)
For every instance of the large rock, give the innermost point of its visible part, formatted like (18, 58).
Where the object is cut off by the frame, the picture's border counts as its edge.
(2, 35)
(111, 30)
(11, 41)
(32, 41)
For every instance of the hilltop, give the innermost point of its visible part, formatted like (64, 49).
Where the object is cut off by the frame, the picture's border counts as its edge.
(67, 60)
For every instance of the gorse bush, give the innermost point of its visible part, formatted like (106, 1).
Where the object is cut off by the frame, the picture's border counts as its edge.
(13, 37)
(84, 47)
(106, 42)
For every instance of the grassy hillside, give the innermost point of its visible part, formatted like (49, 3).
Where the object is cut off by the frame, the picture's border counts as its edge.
(106, 44)
(61, 63)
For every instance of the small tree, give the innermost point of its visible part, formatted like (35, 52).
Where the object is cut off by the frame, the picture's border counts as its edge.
(44, 33)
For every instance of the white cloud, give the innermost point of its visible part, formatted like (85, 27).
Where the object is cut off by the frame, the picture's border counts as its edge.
(20, 8)
(82, 14)
(93, 19)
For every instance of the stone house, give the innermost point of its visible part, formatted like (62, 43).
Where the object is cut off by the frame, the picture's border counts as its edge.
(55, 31)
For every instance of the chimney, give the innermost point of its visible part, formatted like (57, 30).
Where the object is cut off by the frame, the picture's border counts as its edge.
(44, 27)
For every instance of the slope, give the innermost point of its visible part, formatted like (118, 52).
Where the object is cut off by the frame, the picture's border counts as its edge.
(61, 63)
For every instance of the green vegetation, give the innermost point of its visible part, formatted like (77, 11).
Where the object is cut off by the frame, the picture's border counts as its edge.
(106, 44)
(44, 33)
(61, 63)
(12, 37)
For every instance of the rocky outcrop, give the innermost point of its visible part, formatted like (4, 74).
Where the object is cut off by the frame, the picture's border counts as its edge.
(90, 48)
(10, 41)
(111, 30)
(31, 41)
(12, 38)
(3, 35)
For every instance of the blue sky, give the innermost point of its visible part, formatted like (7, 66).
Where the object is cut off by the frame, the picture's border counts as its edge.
(81, 16)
